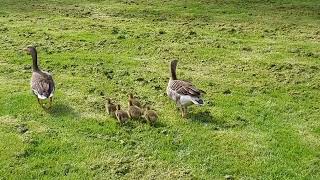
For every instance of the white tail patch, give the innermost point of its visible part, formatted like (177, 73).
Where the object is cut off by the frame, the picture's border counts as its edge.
(197, 101)
(188, 100)
(41, 96)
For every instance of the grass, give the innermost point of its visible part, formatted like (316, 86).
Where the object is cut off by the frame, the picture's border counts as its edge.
(258, 61)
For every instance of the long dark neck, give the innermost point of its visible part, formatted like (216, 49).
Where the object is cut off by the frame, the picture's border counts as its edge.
(34, 60)
(173, 70)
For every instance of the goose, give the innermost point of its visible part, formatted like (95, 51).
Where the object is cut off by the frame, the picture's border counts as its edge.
(182, 92)
(134, 111)
(134, 100)
(121, 115)
(111, 108)
(42, 84)
(150, 115)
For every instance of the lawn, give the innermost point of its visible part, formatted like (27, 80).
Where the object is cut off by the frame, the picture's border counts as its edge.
(258, 61)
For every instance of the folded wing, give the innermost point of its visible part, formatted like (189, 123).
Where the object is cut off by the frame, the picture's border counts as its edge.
(185, 88)
(43, 87)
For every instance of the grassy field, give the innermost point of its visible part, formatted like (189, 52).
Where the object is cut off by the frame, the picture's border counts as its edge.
(258, 61)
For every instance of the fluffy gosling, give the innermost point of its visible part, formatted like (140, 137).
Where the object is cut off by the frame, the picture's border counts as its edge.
(134, 101)
(121, 115)
(150, 115)
(111, 108)
(134, 111)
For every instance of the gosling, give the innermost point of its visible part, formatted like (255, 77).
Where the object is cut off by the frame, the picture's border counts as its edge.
(122, 116)
(134, 101)
(150, 115)
(111, 108)
(134, 111)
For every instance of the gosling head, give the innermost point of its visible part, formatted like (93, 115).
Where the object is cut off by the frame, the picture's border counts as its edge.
(147, 107)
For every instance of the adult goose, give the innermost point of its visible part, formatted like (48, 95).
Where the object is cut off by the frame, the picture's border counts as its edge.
(42, 84)
(182, 92)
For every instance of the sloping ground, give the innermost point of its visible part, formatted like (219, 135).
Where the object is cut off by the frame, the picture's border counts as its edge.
(259, 63)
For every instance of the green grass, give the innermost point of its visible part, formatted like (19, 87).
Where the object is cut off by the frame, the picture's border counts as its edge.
(258, 61)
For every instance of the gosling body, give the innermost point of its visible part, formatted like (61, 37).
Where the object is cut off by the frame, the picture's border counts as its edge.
(111, 108)
(134, 111)
(150, 115)
(122, 116)
(134, 100)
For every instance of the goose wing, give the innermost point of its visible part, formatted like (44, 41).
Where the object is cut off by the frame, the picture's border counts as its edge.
(42, 85)
(185, 88)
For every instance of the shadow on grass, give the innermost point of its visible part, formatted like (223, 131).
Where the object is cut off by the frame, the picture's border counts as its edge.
(203, 117)
(131, 124)
(62, 110)
(219, 123)
(159, 124)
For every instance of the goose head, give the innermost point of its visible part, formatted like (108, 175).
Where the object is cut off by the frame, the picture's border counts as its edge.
(30, 50)
(33, 52)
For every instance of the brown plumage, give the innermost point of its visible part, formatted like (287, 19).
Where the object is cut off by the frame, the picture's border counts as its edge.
(134, 111)
(111, 108)
(42, 83)
(182, 92)
(121, 115)
(150, 115)
(134, 100)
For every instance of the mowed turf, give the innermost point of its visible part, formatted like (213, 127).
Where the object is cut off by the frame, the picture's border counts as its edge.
(258, 61)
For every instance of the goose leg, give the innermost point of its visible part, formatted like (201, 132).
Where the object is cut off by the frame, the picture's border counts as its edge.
(39, 101)
(50, 102)
(178, 106)
(182, 111)
(177, 103)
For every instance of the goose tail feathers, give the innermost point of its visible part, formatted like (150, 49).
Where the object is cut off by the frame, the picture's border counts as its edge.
(197, 101)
